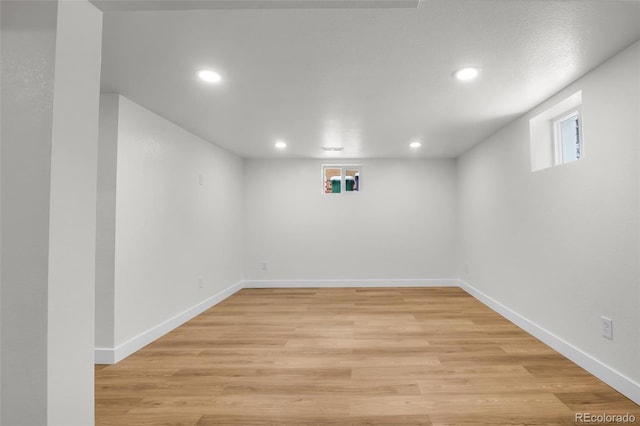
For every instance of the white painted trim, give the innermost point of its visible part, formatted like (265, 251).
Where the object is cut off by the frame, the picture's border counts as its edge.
(120, 352)
(352, 283)
(104, 356)
(613, 378)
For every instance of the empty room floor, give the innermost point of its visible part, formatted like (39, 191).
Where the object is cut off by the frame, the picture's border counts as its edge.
(350, 356)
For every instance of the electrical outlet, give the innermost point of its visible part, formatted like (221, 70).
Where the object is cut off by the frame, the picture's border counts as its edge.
(200, 281)
(264, 265)
(606, 324)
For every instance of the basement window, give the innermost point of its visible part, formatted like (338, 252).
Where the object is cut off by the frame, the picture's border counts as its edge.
(556, 135)
(567, 137)
(340, 179)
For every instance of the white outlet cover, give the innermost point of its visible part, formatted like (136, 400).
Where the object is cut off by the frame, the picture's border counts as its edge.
(607, 327)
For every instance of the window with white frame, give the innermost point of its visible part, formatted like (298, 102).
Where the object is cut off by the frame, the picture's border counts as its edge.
(557, 135)
(340, 178)
(567, 138)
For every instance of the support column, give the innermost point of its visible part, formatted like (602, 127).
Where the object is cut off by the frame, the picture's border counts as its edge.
(72, 219)
(49, 111)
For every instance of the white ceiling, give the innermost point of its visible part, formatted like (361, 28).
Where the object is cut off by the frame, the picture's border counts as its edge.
(369, 79)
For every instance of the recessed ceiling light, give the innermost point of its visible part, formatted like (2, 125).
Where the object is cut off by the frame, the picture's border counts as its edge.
(466, 74)
(209, 76)
(415, 145)
(280, 144)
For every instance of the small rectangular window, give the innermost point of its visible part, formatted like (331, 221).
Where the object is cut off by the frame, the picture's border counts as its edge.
(556, 135)
(567, 137)
(338, 179)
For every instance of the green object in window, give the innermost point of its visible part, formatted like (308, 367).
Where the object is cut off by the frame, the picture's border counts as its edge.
(335, 184)
(349, 183)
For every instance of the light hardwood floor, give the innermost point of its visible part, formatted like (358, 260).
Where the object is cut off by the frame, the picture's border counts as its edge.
(346, 356)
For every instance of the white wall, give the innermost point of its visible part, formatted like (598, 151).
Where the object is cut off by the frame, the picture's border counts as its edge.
(169, 229)
(106, 220)
(72, 223)
(28, 32)
(402, 225)
(559, 247)
(50, 79)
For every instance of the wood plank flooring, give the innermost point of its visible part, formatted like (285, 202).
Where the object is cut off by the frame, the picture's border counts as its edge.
(349, 356)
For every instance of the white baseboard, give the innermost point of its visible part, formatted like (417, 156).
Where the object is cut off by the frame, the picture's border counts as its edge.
(120, 352)
(351, 283)
(613, 378)
(104, 356)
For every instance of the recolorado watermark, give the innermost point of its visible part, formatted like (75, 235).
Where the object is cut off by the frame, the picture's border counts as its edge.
(605, 418)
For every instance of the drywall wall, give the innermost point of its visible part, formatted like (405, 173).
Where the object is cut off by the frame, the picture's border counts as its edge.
(402, 225)
(106, 220)
(178, 222)
(72, 222)
(28, 32)
(559, 246)
(50, 84)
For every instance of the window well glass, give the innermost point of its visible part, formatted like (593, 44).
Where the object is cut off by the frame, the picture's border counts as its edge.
(352, 178)
(340, 179)
(332, 180)
(568, 141)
